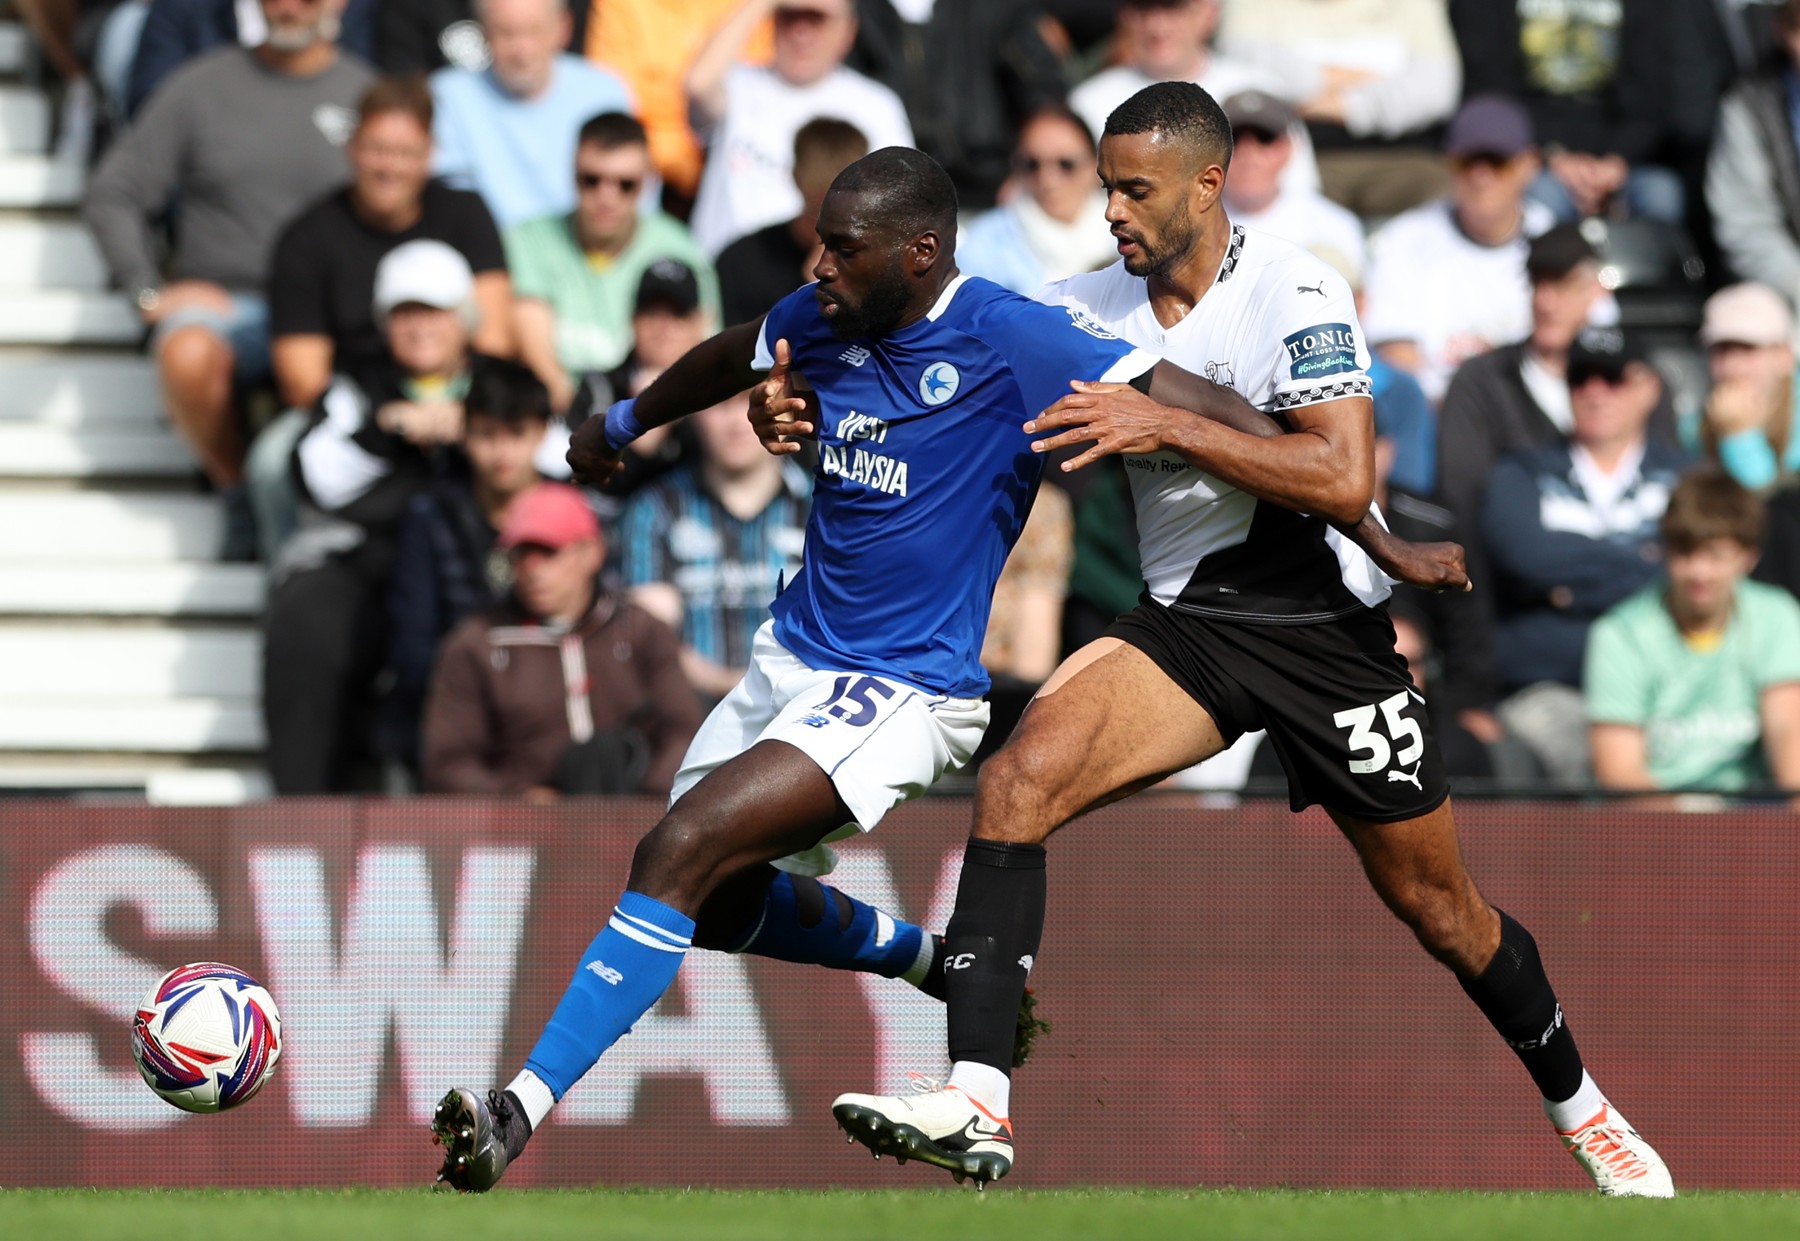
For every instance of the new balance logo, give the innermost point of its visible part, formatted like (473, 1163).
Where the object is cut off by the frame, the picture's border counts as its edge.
(1408, 777)
(602, 970)
(855, 355)
(1318, 288)
(814, 721)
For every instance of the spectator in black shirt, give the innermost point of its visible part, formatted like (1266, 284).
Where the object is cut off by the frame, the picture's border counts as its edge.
(760, 268)
(322, 283)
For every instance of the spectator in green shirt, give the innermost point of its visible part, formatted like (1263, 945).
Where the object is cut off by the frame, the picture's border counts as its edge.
(575, 276)
(1694, 682)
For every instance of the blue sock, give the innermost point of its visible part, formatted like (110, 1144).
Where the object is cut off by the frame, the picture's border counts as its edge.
(803, 920)
(623, 972)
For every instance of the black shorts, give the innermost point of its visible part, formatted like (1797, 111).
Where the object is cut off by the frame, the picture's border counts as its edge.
(1344, 717)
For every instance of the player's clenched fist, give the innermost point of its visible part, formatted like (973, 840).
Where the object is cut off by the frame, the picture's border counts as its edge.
(592, 457)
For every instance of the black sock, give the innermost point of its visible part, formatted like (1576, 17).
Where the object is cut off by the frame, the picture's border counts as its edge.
(989, 946)
(519, 1131)
(1514, 994)
(933, 982)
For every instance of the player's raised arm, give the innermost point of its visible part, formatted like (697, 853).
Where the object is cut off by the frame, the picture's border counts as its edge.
(1119, 418)
(1326, 465)
(716, 368)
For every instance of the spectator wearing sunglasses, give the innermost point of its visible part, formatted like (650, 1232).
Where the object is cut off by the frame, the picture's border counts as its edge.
(576, 276)
(1056, 226)
(1569, 531)
(747, 115)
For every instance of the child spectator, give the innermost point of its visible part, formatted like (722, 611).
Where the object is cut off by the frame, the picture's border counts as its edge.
(1694, 682)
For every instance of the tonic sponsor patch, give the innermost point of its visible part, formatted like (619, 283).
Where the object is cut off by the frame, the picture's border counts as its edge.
(1323, 349)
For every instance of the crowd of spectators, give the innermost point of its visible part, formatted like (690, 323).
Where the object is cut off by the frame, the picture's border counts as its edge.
(377, 301)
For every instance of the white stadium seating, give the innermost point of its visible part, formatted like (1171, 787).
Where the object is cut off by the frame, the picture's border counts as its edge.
(131, 654)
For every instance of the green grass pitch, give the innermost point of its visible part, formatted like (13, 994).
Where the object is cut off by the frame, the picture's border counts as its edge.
(919, 1215)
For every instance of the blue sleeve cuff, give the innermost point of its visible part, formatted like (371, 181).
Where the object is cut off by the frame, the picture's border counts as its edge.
(1748, 457)
(622, 425)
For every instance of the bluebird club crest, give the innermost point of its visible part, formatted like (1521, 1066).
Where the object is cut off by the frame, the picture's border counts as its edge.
(939, 383)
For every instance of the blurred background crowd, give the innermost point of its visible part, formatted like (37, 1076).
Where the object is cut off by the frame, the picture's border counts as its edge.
(387, 252)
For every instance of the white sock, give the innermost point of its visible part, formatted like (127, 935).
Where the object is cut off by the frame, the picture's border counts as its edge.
(1578, 1108)
(921, 966)
(985, 1084)
(534, 1095)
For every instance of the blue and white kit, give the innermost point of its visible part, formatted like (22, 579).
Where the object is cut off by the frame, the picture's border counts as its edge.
(871, 664)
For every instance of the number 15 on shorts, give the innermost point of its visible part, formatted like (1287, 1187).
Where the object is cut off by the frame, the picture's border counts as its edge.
(1373, 750)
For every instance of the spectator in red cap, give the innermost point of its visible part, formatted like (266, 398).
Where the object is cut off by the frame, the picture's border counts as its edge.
(565, 688)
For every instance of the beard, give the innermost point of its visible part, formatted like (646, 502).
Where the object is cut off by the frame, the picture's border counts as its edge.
(881, 310)
(1172, 245)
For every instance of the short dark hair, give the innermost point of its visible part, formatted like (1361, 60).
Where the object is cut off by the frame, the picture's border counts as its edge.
(906, 189)
(1708, 504)
(826, 143)
(612, 130)
(407, 94)
(1183, 112)
(506, 391)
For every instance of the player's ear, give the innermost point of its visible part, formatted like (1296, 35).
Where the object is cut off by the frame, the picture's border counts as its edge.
(1209, 184)
(923, 251)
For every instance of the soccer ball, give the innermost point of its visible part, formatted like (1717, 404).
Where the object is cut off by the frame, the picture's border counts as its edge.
(206, 1037)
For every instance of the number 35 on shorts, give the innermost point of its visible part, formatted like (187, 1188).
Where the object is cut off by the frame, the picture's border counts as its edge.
(1372, 750)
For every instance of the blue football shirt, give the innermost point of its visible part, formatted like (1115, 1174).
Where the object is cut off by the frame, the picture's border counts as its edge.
(925, 473)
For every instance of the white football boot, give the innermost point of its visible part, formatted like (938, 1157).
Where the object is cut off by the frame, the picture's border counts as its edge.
(940, 1125)
(1622, 1164)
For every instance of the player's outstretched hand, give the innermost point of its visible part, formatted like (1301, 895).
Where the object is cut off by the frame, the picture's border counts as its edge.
(591, 459)
(779, 409)
(1115, 418)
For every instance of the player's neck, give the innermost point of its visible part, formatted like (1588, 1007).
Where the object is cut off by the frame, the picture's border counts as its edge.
(1175, 292)
(930, 294)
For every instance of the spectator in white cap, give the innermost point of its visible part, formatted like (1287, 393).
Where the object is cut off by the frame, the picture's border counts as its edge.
(1750, 420)
(384, 429)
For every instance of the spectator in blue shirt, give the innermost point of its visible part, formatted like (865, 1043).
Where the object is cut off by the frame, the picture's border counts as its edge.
(509, 131)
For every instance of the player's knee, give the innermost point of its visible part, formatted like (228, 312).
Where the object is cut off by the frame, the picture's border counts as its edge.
(674, 860)
(1014, 797)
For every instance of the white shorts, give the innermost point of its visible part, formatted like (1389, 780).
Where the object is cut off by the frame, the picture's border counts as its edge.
(881, 741)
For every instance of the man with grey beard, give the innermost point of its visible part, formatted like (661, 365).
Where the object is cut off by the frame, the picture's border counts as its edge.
(242, 139)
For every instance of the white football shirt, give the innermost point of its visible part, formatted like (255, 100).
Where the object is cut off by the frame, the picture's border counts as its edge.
(1279, 327)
